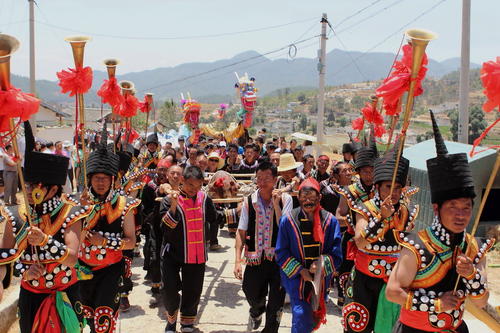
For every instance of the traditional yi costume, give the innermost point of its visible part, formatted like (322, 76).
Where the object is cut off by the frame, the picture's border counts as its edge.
(366, 307)
(261, 222)
(50, 303)
(355, 194)
(184, 251)
(436, 249)
(101, 298)
(300, 243)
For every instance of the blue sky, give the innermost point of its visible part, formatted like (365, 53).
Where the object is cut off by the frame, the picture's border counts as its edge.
(178, 18)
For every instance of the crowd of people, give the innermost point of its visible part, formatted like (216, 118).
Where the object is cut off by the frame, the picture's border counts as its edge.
(302, 226)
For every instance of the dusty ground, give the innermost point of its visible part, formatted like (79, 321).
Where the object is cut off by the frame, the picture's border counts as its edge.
(223, 308)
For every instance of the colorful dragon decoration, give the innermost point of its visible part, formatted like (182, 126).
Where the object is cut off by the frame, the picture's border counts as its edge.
(248, 96)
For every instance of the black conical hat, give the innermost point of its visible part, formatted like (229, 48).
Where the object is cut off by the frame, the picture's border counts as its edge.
(43, 168)
(103, 160)
(152, 138)
(384, 167)
(347, 148)
(366, 155)
(450, 176)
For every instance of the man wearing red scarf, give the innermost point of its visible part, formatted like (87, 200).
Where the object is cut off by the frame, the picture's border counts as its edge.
(308, 244)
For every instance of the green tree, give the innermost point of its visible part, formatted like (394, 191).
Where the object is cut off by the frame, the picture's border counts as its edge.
(339, 102)
(303, 122)
(301, 98)
(331, 117)
(169, 114)
(342, 121)
(477, 124)
(357, 102)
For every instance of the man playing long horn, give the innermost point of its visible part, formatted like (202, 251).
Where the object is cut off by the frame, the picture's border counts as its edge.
(433, 258)
(109, 230)
(365, 307)
(47, 253)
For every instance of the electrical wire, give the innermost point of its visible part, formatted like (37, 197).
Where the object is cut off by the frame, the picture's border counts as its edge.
(357, 13)
(228, 65)
(178, 37)
(349, 53)
(425, 12)
(355, 24)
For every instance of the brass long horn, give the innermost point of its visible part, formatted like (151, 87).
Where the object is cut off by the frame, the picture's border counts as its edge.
(78, 47)
(9, 45)
(419, 39)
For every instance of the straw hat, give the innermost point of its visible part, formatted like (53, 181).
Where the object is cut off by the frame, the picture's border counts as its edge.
(287, 162)
(214, 154)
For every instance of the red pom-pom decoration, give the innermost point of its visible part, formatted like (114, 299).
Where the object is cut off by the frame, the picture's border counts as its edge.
(75, 81)
(490, 76)
(110, 93)
(358, 124)
(398, 82)
(145, 106)
(378, 131)
(371, 114)
(16, 104)
(129, 106)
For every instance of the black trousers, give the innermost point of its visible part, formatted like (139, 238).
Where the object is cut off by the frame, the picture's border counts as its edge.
(30, 302)
(362, 291)
(345, 267)
(127, 285)
(402, 328)
(259, 281)
(186, 278)
(101, 297)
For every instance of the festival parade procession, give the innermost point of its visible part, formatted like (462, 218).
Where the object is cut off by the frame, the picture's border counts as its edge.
(183, 194)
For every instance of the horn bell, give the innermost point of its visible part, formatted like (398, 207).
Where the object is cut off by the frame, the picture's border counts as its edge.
(78, 46)
(111, 64)
(127, 87)
(8, 45)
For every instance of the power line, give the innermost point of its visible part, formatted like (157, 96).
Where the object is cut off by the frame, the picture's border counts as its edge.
(357, 13)
(178, 37)
(425, 12)
(248, 66)
(228, 65)
(348, 53)
(370, 16)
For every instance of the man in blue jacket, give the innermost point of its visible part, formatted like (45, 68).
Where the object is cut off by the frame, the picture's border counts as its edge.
(309, 243)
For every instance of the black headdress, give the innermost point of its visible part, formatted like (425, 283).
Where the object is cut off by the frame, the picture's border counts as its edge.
(365, 156)
(103, 160)
(43, 168)
(450, 176)
(152, 138)
(384, 168)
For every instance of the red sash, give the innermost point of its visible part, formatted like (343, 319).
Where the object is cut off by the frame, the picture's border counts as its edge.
(194, 228)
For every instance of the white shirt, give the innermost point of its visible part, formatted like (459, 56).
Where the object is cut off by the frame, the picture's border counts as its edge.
(256, 198)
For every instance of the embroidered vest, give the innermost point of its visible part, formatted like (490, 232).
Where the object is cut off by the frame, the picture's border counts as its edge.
(194, 228)
(252, 255)
(107, 219)
(435, 274)
(377, 259)
(56, 275)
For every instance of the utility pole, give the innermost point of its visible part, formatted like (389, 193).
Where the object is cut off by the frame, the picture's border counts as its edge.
(463, 106)
(321, 94)
(32, 59)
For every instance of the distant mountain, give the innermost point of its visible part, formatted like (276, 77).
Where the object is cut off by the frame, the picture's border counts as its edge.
(217, 86)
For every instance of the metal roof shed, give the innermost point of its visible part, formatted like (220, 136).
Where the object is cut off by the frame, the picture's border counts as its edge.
(481, 165)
